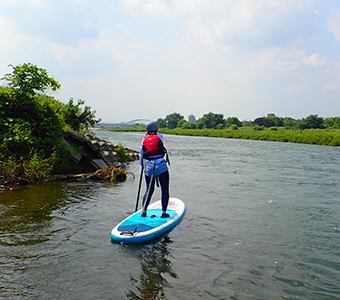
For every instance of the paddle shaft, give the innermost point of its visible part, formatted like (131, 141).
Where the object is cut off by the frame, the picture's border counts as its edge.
(139, 186)
(145, 202)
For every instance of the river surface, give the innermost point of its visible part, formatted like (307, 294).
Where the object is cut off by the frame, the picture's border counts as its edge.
(262, 222)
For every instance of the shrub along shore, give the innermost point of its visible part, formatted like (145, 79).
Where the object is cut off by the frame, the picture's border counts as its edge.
(326, 137)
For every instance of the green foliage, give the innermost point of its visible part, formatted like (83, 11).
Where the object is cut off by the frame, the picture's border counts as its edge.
(333, 122)
(212, 120)
(29, 79)
(31, 124)
(78, 118)
(181, 122)
(233, 127)
(172, 120)
(37, 168)
(161, 123)
(289, 122)
(124, 156)
(310, 136)
(233, 121)
(258, 127)
(34, 168)
(312, 122)
(188, 125)
(269, 121)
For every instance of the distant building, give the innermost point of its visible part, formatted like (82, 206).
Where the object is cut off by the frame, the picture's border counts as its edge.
(192, 119)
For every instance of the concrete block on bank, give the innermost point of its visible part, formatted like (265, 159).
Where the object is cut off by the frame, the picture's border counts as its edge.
(111, 147)
(99, 163)
(134, 155)
(103, 145)
(109, 156)
(94, 145)
(79, 136)
(94, 152)
(76, 157)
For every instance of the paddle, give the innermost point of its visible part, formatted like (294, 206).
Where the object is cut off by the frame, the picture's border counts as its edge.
(139, 186)
(147, 194)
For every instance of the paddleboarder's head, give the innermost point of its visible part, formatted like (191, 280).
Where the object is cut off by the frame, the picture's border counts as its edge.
(151, 126)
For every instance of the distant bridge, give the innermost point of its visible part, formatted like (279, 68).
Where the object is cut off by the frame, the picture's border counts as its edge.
(139, 121)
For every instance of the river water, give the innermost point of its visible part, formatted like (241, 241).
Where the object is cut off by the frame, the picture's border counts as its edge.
(262, 222)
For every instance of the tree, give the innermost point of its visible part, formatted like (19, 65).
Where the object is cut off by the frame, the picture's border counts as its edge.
(181, 122)
(312, 121)
(289, 122)
(211, 120)
(29, 79)
(172, 120)
(189, 125)
(77, 118)
(161, 123)
(269, 121)
(233, 121)
(333, 122)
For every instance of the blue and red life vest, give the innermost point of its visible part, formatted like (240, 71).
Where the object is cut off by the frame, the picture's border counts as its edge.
(153, 147)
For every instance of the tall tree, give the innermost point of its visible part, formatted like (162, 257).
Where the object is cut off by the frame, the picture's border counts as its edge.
(211, 120)
(172, 120)
(29, 79)
(312, 121)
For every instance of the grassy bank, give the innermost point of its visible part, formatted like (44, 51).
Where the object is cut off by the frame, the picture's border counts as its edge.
(309, 136)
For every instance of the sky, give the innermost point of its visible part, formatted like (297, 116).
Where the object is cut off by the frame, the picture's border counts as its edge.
(146, 59)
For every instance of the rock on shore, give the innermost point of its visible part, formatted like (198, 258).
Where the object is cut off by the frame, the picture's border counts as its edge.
(93, 153)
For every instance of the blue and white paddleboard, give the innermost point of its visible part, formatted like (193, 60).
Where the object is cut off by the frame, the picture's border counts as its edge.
(137, 229)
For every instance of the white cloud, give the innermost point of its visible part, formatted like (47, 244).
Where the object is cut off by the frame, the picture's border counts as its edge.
(325, 88)
(314, 60)
(245, 23)
(334, 24)
(236, 57)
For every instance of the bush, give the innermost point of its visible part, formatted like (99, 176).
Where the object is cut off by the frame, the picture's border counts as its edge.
(122, 153)
(258, 127)
(233, 127)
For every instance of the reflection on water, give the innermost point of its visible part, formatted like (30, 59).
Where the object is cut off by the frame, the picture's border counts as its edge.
(26, 212)
(31, 217)
(155, 264)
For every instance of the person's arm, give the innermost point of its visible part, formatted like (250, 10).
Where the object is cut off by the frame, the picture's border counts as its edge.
(161, 137)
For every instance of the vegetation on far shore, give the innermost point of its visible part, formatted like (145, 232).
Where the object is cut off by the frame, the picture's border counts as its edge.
(309, 136)
(310, 130)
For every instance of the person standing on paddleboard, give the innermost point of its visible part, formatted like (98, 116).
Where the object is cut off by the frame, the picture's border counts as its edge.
(155, 166)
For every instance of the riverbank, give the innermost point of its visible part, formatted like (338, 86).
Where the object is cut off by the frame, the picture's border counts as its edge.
(325, 137)
(91, 158)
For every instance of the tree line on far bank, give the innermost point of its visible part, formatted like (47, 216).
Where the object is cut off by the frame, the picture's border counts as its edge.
(217, 121)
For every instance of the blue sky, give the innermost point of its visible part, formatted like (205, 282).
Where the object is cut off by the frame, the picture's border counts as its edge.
(132, 59)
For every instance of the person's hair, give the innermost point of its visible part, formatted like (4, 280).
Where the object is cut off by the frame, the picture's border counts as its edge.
(151, 132)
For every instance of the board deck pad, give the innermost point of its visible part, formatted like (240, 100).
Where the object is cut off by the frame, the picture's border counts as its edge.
(146, 223)
(137, 229)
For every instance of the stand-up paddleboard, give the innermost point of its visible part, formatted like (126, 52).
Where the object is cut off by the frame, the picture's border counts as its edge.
(138, 229)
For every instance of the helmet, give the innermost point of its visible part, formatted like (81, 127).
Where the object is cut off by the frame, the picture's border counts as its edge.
(151, 126)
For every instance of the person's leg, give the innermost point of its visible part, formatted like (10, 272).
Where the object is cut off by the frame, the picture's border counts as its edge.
(150, 187)
(164, 182)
